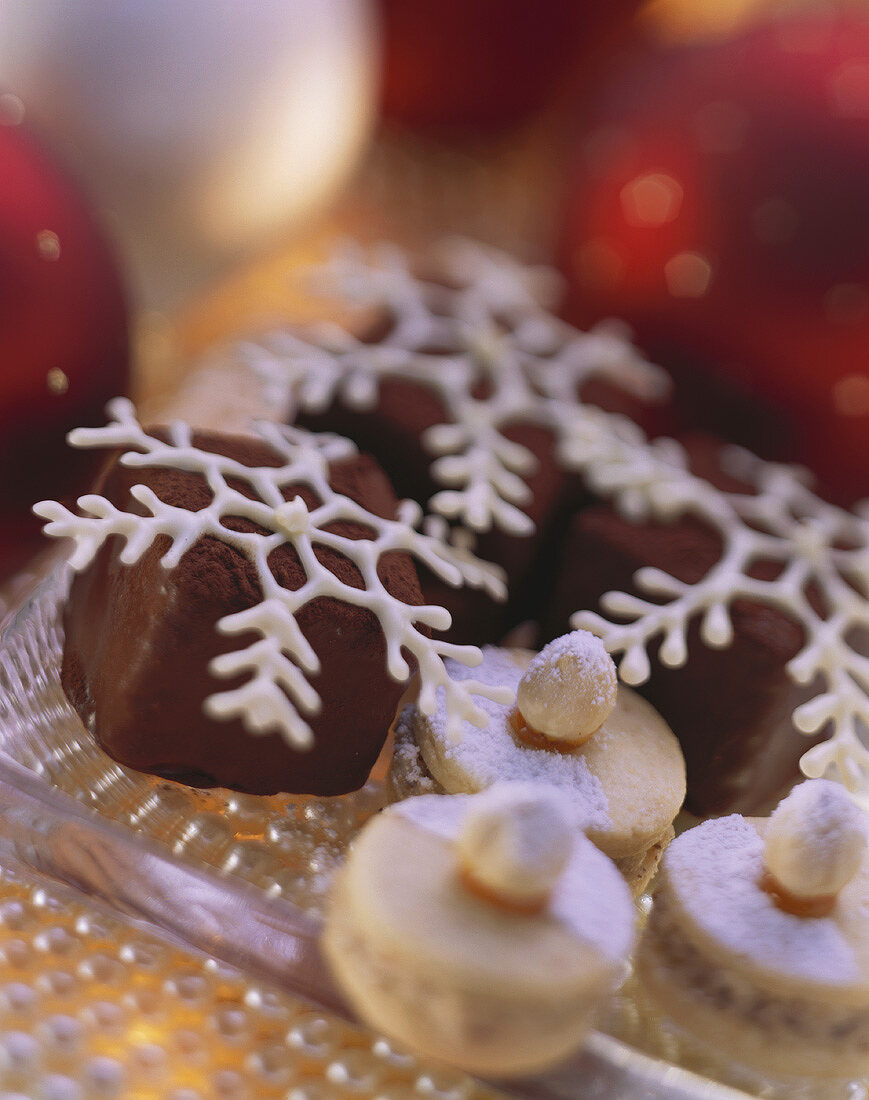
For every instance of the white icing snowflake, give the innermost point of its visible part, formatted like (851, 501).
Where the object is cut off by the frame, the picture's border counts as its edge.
(487, 346)
(822, 552)
(281, 660)
(502, 358)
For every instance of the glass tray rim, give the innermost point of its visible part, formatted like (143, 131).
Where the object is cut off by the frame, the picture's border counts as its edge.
(48, 831)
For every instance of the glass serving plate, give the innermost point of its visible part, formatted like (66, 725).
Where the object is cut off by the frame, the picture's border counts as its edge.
(244, 878)
(96, 1006)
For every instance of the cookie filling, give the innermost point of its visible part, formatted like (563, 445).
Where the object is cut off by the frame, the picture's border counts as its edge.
(782, 1019)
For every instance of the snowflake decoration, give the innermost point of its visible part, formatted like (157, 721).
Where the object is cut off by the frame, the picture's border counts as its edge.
(278, 692)
(487, 317)
(820, 548)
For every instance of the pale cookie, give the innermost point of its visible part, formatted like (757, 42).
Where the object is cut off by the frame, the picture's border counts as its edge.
(627, 778)
(771, 974)
(444, 932)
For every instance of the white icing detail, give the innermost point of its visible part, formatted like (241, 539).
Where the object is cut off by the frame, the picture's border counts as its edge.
(293, 517)
(515, 841)
(541, 362)
(569, 689)
(820, 548)
(279, 662)
(815, 840)
(491, 330)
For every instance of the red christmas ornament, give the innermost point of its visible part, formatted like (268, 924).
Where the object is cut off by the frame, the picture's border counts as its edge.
(487, 63)
(720, 206)
(63, 336)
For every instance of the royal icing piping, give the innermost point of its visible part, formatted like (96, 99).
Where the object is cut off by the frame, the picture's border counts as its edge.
(281, 660)
(492, 331)
(533, 366)
(784, 522)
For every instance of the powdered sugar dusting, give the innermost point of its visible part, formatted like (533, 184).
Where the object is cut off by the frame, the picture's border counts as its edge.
(586, 648)
(406, 760)
(590, 898)
(441, 814)
(715, 871)
(492, 754)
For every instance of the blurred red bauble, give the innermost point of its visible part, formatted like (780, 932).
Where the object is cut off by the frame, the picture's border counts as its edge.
(63, 336)
(720, 206)
(472, 64)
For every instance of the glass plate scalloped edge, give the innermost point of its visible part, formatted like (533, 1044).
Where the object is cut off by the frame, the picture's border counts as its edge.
(259, 931)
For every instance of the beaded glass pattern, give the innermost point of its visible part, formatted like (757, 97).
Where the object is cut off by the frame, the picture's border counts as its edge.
(93, 1008)
(287, 846)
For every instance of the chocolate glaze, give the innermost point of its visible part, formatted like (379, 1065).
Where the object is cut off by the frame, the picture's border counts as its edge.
(730, 708)
(139, 640)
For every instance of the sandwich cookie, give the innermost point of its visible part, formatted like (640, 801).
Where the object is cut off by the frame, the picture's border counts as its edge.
(758, 941)
(571, 725)
(483, 930)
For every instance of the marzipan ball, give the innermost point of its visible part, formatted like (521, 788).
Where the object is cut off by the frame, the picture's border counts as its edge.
(569, 689)
(515, 842)
(815, 840)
